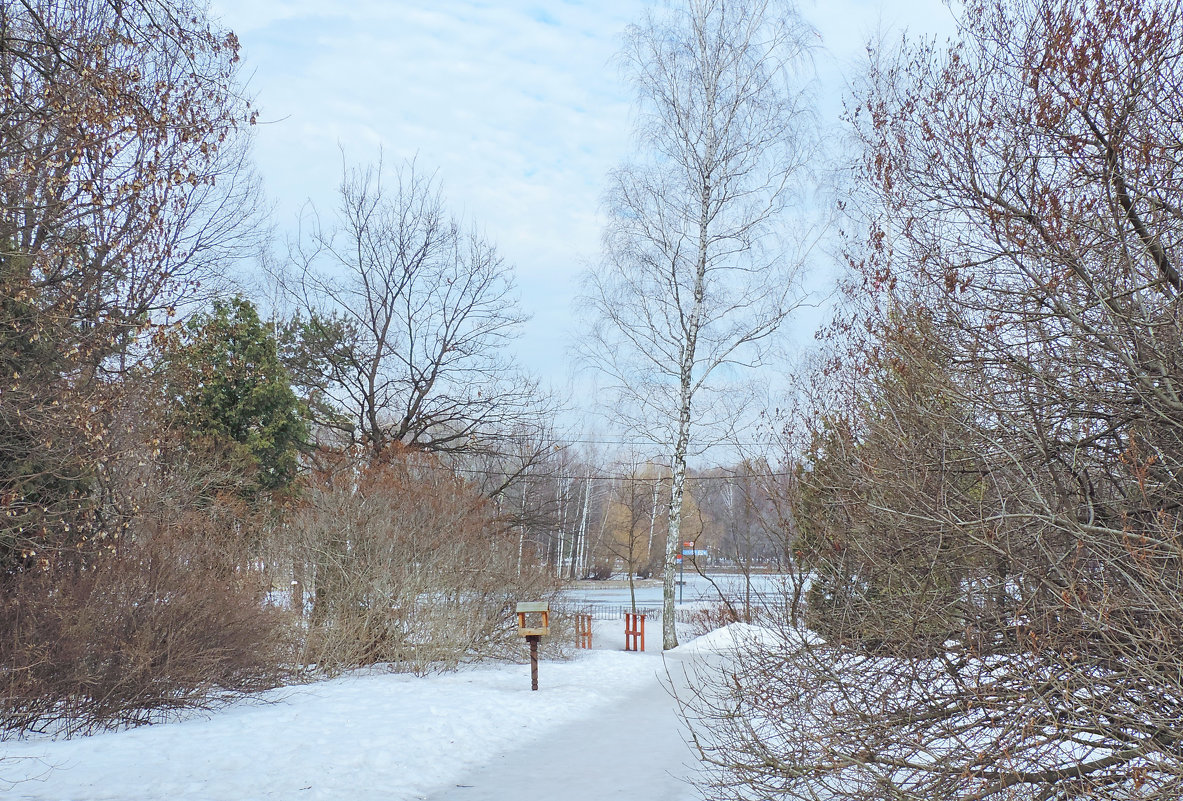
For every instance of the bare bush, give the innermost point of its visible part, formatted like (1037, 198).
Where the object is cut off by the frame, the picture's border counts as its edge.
(406, 566)
(132, 637)
(709, 618)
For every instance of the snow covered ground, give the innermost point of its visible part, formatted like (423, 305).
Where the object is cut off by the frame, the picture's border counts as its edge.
(477, 734)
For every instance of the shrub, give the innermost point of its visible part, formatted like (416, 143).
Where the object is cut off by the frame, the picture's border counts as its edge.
(708, 618)
(407, 566)
(132, 637)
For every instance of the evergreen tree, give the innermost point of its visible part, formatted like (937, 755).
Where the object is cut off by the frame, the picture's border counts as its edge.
(234, 396)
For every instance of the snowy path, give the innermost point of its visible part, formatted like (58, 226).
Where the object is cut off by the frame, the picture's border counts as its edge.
(602, 726)
(630, 750)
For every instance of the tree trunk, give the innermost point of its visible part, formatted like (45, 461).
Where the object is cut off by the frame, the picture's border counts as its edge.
(686, 379)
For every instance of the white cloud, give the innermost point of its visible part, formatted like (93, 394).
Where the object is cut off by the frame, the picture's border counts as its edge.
(516, 103)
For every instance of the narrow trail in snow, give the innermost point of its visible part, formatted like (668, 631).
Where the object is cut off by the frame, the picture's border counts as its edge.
(631, 750)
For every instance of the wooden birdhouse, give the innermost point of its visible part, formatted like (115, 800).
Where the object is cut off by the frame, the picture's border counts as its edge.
(533, 618)
(533, 624)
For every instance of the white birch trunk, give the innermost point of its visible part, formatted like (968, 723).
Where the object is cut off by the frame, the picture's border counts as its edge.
(669, 634)
(652, 522)
(581, 534)
(559, 564)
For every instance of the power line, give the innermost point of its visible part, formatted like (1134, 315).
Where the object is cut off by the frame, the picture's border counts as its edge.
(604, 476)
(638, 443)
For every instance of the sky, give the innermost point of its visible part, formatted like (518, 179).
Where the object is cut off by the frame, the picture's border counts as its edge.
(516, 105)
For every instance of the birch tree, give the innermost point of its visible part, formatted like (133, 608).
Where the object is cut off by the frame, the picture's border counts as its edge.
(696, 276)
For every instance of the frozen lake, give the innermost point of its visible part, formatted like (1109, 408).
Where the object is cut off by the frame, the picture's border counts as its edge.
(696, 591)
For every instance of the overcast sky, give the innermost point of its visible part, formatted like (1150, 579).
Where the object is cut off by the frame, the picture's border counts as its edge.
(516, 103)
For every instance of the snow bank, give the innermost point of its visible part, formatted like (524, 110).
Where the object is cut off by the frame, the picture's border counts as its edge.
(738, 636)
(360, 737)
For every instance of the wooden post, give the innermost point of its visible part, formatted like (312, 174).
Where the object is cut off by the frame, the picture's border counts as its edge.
(298, 587)
(533, 640)
(583, 631)
(533, 633)
(634, 632)
(298, 597)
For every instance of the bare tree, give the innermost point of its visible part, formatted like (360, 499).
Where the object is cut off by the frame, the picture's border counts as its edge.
(630, 512)
(993, 513)
(750, 531)
(402, 318)
(123, 187)
(694, 278)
